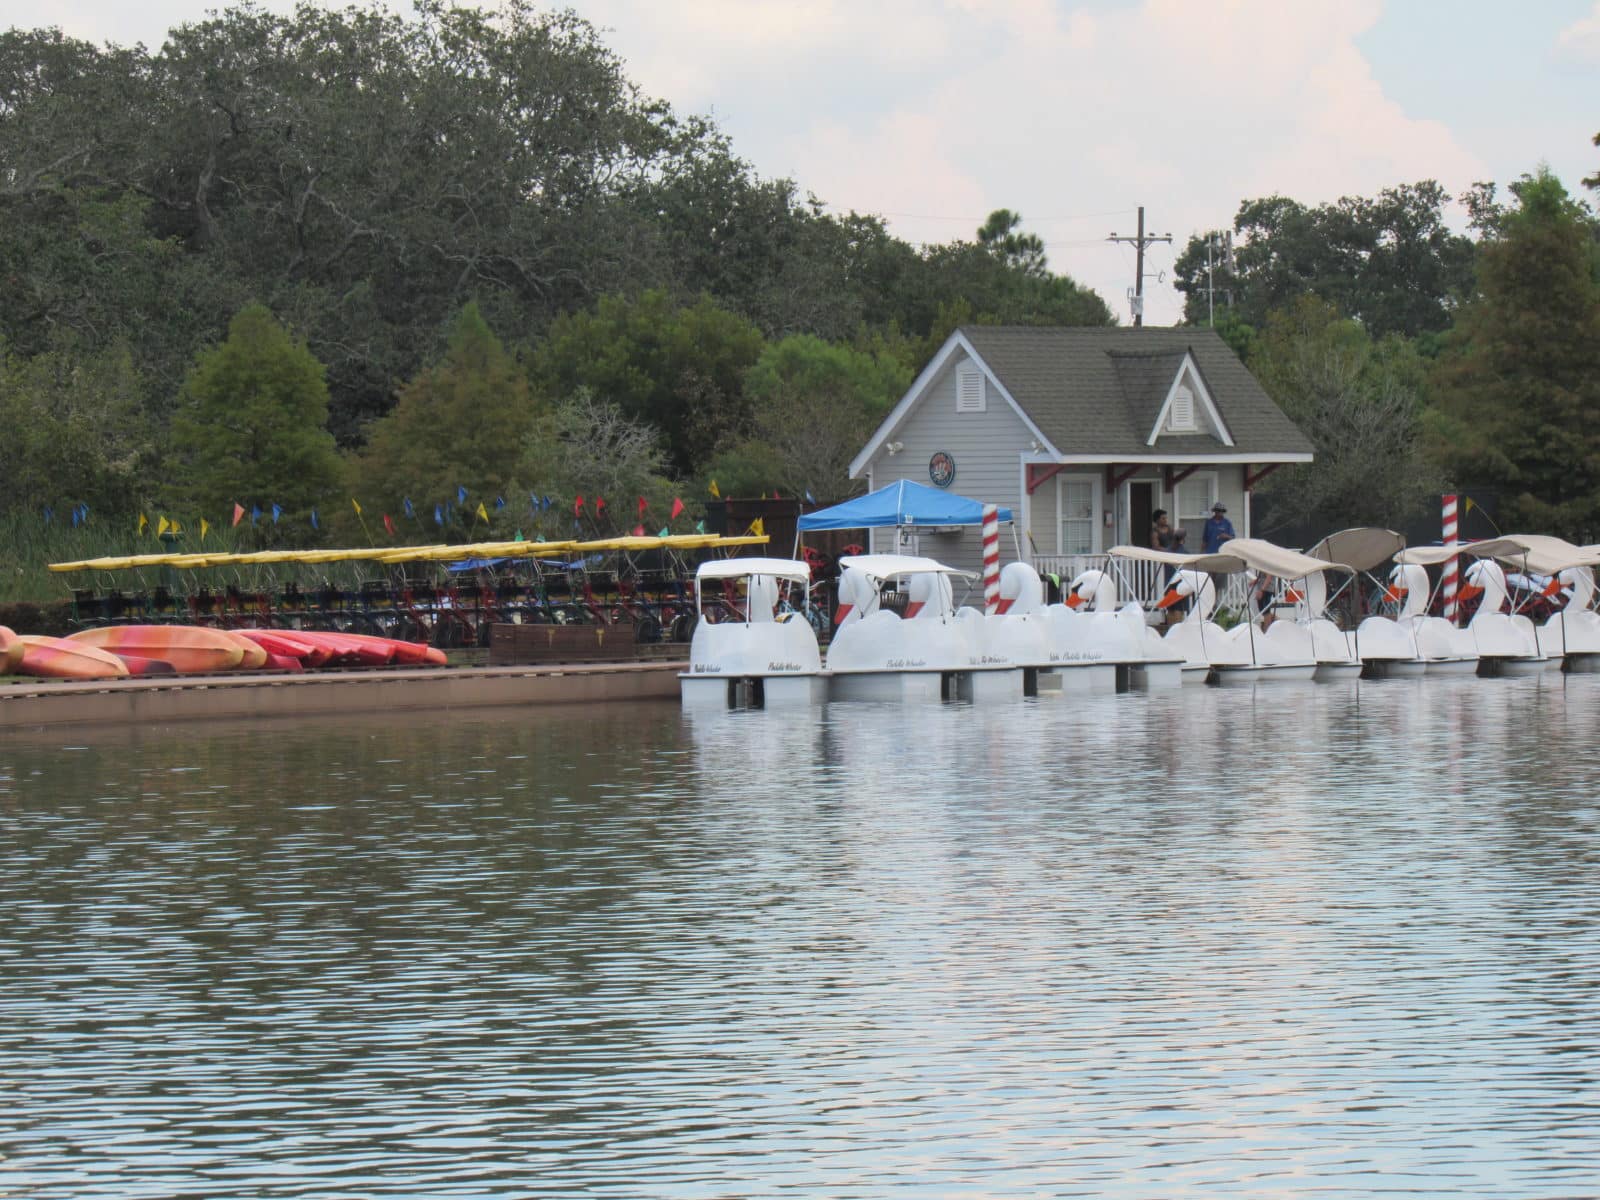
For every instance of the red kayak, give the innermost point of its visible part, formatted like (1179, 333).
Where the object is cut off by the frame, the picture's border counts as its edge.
(410, 653)
(348, 648)
(191, 649)
(288, 643)
(62, 658)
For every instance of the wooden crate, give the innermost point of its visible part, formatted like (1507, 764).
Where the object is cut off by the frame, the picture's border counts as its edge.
(511, 645)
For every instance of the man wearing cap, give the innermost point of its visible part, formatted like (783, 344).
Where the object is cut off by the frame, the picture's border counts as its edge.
(1218, 529)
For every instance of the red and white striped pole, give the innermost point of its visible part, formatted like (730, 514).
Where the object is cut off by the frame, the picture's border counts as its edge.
(1447, 583)
(991, 559)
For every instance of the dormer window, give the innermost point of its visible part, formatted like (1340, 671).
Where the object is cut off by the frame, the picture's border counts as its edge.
(1180, 415)
(971, 389)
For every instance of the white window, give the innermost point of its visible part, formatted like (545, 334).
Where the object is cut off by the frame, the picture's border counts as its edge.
(1180, 415)
(1077, 504)
(1192, 500)
(971, 394)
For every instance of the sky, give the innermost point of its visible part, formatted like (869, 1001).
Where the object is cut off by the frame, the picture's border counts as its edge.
(1074, 113)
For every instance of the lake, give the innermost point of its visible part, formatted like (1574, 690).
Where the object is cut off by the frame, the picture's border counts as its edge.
(1296, 941)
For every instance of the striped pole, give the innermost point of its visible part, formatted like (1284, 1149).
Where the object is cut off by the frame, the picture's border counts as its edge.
(991, 559)
(1449, 579)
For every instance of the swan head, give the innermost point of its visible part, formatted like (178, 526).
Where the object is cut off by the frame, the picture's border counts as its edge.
(1183, 586)
(1082, 589)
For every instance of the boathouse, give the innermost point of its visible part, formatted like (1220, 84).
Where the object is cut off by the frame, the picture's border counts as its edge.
(1083, 433)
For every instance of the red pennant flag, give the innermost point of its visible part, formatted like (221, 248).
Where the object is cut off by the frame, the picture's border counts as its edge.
(642, 506)
(599, 505)
(238, 513)
(388, 524)
(577, 507)
(638, 531)
(677, 506)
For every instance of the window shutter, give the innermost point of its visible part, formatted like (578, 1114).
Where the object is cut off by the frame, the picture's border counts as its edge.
(970, 395)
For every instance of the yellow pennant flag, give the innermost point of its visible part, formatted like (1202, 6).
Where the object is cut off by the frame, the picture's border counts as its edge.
(161, 526)
(758, 527)
(144, 523)
(482, 515)
(173, 526)
(355, 506)
(205, 528)
(715, 491)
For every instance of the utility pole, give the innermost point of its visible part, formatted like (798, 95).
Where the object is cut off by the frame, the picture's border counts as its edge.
(1139, 243)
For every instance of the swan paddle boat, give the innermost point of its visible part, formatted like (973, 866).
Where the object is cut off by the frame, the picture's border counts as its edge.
(1506, 642)
(1574, 631)
(1121, 633)
(1248, 653)
(1385, 645)
(768, 659)
(931, 653)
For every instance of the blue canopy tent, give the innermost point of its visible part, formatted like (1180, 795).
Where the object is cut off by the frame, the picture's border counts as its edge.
(901, 503)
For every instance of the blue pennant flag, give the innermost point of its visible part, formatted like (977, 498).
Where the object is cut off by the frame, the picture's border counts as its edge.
(276, 513)
(314, 524)
(547, 502)
(74, 516)
(49, 514)
(533, 502)
(461, 494)
(83, 513)
(810, 499)
(438, 515)
(499, 503)
(410, 512)
(255, 513)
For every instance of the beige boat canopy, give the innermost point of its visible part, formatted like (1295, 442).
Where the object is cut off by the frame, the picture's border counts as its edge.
(1535, 552)
(1240, 554)
(891, 566)
(1359, 549)
(738, 568)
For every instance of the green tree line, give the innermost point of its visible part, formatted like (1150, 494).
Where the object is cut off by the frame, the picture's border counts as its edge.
(312, 263)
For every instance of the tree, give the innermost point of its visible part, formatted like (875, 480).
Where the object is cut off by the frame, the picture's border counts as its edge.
(1389, 262)
(815, 405)
(595, 450)
(1022, 252)
(679, 368)
(252, 423)
(1518, 390)
(460, 423)
(77, 430)
(1358, 398)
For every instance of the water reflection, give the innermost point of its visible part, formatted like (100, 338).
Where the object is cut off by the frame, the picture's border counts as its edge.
(1296, 941)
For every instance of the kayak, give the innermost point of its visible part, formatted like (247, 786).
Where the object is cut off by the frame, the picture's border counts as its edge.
(11, 649)
(287, 644)
(63, 658)
(191, 649)
(255, 657)
(349, 648)
(145, 666)
(411, 653)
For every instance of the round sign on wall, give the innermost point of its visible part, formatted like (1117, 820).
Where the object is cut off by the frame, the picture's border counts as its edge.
(942, 469)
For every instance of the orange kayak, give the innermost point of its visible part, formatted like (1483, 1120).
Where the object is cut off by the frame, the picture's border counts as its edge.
(255, 657)
(191, 649)
(63, 658)
(10, 652)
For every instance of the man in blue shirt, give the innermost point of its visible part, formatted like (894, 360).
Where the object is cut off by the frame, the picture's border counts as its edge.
(1217, 530)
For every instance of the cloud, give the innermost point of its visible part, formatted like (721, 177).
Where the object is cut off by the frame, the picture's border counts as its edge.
(1579, 43)
(934, 116)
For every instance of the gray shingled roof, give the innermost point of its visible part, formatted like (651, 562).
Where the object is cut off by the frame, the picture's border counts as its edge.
(1098, 391)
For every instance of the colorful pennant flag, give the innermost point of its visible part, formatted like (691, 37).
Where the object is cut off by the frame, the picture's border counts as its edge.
(238, 513)
(277, 511)
(642, 506)
(314, 524)
(758, 527)
(599, 505)
(255, 513)
(577, 507)
(461, 494)
(49, 514)
(355, 505)
(406, 503)
(638, 531)
(438, 515)
(388, 524)
(716, 491)
(161, 526)
(205, 528)
(482, 514)
(677, 507)
(144, 523)
(665, 531)
(810, 499)
(499, 503)
(699, 526)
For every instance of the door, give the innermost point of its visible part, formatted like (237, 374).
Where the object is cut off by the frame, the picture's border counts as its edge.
(1141, 507)
(1077, 514)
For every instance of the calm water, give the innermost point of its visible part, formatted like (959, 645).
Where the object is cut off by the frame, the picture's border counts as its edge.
(1301, 942)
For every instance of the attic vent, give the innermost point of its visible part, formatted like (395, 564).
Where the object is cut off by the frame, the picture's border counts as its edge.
(1180, 417)
(970, 393)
